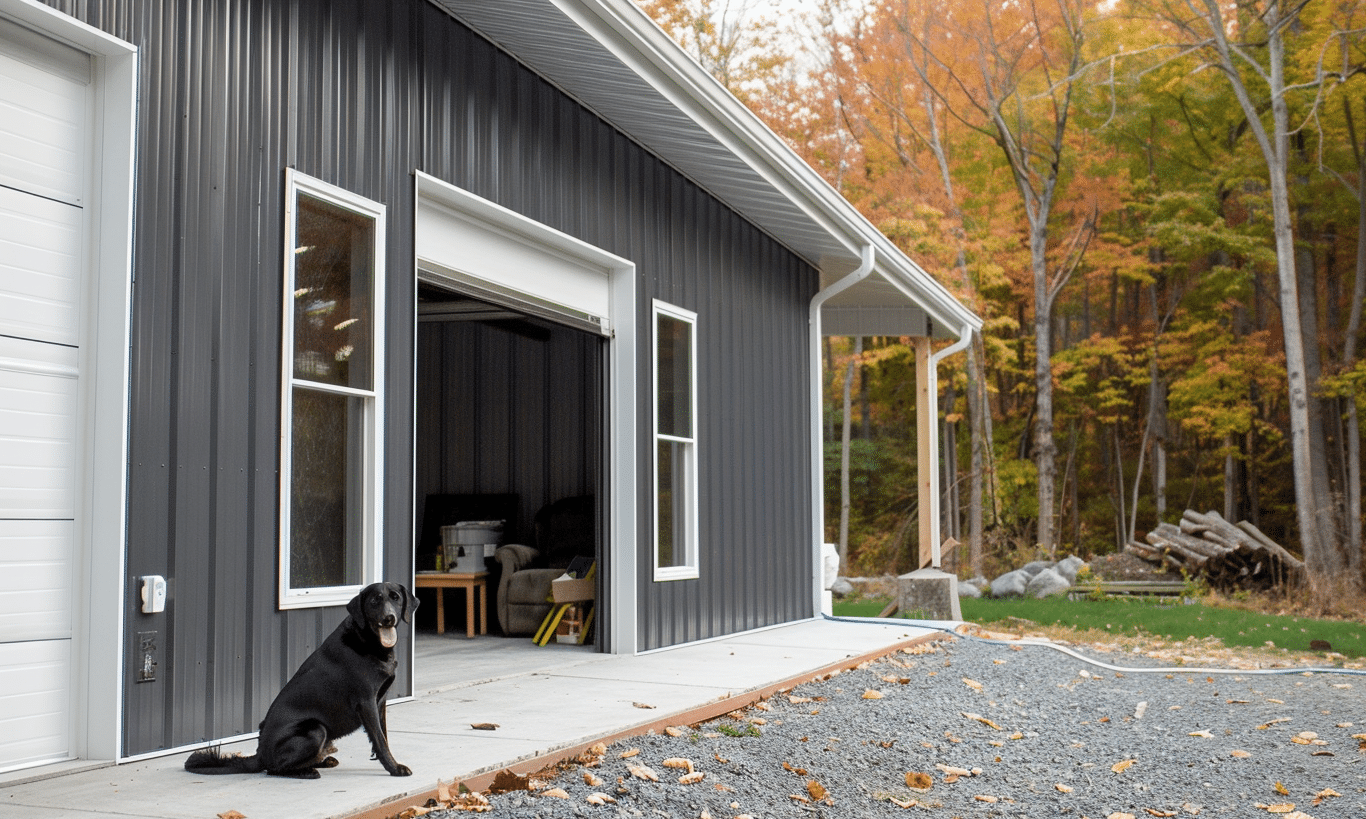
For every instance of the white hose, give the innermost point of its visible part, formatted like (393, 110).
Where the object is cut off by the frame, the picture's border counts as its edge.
(935, 626)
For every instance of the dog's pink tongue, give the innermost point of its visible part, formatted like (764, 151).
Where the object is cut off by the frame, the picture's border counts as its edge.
(388, 636)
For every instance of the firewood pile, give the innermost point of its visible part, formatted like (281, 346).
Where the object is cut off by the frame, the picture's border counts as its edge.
(1226, 555)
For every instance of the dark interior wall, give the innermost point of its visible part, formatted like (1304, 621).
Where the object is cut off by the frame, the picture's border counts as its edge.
(502, 410)
(360, 93)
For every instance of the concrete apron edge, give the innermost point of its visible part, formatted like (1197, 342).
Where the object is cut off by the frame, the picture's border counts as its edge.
(481, 778)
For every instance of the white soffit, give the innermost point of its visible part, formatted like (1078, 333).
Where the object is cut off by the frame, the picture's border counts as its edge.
(612, 58)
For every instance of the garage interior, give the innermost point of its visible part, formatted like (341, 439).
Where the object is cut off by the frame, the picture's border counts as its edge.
(509, 426)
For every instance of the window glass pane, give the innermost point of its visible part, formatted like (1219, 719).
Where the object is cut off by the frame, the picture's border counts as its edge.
(674, 371)
(326, 516)
(334, 273)
(673, 519)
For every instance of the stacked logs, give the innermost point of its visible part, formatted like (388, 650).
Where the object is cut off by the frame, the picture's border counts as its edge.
(1226, 555)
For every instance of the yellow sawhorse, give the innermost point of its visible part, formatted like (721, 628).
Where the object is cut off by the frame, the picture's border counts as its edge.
(556, 614)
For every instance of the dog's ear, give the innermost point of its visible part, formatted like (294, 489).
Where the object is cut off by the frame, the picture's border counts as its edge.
(410, 604)
(356, 608)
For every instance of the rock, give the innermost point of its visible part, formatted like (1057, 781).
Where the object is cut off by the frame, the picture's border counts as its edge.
(1045, 583)
(1069, 566)
(980, 582)
(967, 589)
(1037, 566)
(1010, 584)
(841, 587)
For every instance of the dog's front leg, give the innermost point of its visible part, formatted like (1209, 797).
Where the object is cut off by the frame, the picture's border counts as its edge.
(373, 721)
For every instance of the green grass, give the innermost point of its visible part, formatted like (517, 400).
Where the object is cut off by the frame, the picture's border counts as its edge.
(1160, 617)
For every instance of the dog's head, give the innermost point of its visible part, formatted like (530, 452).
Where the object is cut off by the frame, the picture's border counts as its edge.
(379, 607)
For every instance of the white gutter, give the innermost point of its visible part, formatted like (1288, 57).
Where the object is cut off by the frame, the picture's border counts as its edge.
(863, 271)
(964, 338)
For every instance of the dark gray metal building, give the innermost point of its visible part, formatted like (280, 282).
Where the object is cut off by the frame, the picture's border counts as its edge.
(339, 256)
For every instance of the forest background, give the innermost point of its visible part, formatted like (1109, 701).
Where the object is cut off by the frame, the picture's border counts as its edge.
(1158, 207)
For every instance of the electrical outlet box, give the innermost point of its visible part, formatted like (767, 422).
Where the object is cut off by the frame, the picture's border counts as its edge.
(147, 656)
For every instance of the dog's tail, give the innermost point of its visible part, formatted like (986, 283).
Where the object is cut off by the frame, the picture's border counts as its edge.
(211, 761)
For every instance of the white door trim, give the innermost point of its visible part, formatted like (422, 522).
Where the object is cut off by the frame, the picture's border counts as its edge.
(101, 504)
(505, 251)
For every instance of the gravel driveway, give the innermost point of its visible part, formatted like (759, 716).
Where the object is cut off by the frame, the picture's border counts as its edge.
(991, 730)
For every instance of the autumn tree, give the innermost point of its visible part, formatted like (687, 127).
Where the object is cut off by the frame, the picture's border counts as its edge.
(1246, 43)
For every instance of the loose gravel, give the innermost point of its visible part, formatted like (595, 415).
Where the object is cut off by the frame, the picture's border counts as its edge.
(994, 731)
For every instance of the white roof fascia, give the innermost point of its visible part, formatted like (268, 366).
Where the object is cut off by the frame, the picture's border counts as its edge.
(647, 51)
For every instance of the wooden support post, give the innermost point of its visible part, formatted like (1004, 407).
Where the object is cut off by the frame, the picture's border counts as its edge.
(927, 451)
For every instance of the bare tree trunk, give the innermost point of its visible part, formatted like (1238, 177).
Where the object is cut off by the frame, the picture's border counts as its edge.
(1230, 480)
(1314, 511)
(1349, 356)
(844, 453)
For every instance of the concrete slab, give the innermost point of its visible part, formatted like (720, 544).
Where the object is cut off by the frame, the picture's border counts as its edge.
(547, 701)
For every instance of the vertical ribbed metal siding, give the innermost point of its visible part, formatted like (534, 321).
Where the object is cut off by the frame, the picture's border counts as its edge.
(501, 413)
(359, 93)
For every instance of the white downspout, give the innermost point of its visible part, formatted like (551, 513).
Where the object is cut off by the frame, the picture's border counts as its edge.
(964, 338)
(864, 269)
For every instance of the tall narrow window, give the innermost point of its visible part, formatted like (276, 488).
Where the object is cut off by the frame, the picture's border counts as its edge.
(675, 346)
(333, 393)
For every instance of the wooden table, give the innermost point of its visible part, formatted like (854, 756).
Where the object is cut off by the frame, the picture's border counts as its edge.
(474, 585)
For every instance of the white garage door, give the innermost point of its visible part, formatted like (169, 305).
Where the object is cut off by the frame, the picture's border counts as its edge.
(44, 158)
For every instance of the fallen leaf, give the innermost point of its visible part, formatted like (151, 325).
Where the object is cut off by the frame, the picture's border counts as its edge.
(628, 753)
(1281, 789)
(973, 684)
(871, 694)
(1122, 766)
(1159, 812)
(484, 726)
(591, 780)
(1273, 722)
(646, 706)
(797, 797)
(799, 700)
(678, 762)
(917, 781)
(600, 749)
(720, 759)
(1284, 807)
(1017, 735)
(981, 797)
(1118, 815)
(949, 769)
(691, 778)
(642, 772)
(557, 793)
(443, 793)
(1206, 734)
(981, 719)
(1240, 754)
(674, 731)
(763, 706)
(902, 803)
(231, 814)
(1061, 788)
(505, 781)
(817, 790)
(599, 799)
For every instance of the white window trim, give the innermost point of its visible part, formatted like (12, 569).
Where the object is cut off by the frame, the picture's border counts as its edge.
(373, 445)
(689, 570)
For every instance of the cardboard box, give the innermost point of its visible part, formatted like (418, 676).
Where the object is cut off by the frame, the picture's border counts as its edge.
(563, 590)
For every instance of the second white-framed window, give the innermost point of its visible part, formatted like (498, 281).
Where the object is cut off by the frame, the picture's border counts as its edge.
(675, 434)
(333, 393)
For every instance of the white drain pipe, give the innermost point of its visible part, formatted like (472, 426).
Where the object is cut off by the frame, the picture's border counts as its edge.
(862, 272)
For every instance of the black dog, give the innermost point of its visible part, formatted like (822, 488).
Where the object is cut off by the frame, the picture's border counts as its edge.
(339, 688)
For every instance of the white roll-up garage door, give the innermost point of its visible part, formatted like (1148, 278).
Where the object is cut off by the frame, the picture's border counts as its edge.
(44, 171)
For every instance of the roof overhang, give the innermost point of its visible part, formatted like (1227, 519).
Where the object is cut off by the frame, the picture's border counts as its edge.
(611, 57)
